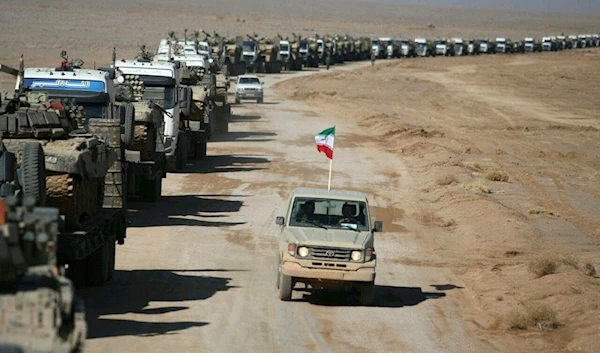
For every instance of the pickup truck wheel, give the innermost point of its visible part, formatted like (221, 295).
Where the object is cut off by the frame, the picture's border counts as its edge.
(285, 287)
(237, 100)
(367, 293)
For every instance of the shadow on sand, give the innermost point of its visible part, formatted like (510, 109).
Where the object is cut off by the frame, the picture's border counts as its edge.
(185, 210)
(133, 291)
(385, 297)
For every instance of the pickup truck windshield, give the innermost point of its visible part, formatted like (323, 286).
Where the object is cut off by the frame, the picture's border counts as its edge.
(329, 213)
(249, 81)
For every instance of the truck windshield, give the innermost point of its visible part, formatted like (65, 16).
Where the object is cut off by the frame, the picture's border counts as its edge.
(163, 96)
(248, 46)
(329, 213)
(285, 47)
(441, 42)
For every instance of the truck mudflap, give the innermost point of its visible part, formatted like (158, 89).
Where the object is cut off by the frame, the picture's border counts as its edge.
(150, 169)
(74, 246)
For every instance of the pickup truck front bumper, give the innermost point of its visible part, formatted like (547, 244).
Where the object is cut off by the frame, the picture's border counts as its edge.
(360, 274)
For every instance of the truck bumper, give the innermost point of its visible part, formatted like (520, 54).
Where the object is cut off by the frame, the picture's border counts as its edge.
(365, 274)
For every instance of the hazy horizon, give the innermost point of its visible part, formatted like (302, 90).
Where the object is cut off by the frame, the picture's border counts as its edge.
(534, 5)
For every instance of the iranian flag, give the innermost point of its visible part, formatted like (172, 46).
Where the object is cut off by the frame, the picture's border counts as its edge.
(324, 140)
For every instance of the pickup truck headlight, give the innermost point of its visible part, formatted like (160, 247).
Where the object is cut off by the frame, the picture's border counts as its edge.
(303, 251)
(356, 255)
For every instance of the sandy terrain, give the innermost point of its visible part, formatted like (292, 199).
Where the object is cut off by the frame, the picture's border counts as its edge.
(461, 125)
(485, 171)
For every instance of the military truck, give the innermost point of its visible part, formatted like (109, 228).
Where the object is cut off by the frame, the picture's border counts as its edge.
(407, 48)
(473, 47)
(549, 44)
(327, 239)
(164, 88)
(443, 48)
(363, 48)
(79, 166)
(38, 307)
(531, 45)
(392, 49)
(309, 52)
(425, 47)
(504, 45)
(379, 48)
(486, 46)
(458, 46)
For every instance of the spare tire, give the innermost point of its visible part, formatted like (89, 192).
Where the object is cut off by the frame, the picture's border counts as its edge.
(128, 134)
(33, 173)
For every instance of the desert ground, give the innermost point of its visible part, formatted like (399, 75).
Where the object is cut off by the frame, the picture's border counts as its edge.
(484, 170)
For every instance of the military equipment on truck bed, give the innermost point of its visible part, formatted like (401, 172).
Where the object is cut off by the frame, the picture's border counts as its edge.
(38, 307)
(81, 156)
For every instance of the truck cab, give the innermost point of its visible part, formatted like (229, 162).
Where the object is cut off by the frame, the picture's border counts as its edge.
(285, 51)
(423, 49)
(250, 53)
(162, 86)
(441, 47)
(93, 89)
(501, 46)
(327, 238)
(458, 46)
(548, 44)
(407, 48)
(388, 45)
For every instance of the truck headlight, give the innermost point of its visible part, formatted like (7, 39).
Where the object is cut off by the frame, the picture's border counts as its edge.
(356, 255)
(303, 251)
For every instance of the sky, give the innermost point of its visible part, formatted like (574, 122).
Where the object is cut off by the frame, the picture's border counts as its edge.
(541, 5)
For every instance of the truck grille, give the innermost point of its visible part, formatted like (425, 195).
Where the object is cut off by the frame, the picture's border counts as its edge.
(330, 254)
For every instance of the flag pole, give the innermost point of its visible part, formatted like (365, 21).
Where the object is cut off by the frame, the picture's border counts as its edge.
(330, 165)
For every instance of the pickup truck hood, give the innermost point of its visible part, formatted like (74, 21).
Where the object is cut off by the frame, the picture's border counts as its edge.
(330, 237)
(249, 85)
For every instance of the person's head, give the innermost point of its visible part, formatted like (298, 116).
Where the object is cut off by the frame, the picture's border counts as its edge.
(309, 207)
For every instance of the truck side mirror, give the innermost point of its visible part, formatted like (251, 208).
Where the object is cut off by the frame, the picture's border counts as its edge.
(279, 221)
(378, 226)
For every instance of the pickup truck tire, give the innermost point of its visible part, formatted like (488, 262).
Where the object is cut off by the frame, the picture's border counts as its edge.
(285, 287)
(367, 293)
(33, 172)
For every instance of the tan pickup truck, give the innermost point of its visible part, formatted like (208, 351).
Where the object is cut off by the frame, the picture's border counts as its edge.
(327, 238)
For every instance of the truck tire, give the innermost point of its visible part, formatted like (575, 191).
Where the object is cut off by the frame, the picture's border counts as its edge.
(200, 152)
(181, 153)
(77, 272)
(97, 266)
(129, 125)
(259, 100)
(151, 189)
(33, 173)
(367, 293)
(112, 252)
(285, 287)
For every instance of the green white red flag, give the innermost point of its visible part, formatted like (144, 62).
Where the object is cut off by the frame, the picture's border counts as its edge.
(324, 140)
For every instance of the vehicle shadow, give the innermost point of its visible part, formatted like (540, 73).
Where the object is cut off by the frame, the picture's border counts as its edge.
(226, 164)
(385, 297)
(133, 291)
(184, 210)
(243, 118)
(246, 136)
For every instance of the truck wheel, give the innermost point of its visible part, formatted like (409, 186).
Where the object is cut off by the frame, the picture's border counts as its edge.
(285, 287)
(200, 152)
(33, 172)
(181, 153)
(128, 134)
(112, 252)
(259, 100)
(97, 266)
(77, 273)
(151, 189)
(367, 293)
(237, 100)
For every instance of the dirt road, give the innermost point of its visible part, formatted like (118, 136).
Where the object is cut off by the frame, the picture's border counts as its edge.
(198, 270)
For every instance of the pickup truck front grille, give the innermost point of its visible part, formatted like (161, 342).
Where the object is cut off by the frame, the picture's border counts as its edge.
(330, 254)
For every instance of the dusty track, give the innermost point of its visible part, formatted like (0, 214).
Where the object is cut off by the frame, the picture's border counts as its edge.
(198, 271)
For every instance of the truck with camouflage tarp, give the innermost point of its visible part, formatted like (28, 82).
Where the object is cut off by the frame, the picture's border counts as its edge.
(289, 50)
(309, 52)
(77, 146)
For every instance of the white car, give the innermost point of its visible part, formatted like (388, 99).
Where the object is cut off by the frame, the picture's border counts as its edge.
(248, 87)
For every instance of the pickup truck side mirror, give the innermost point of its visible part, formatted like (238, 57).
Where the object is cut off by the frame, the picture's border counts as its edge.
(378, 226)
(280, 220)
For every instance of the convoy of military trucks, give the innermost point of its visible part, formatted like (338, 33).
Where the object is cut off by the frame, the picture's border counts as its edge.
(77, 144)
